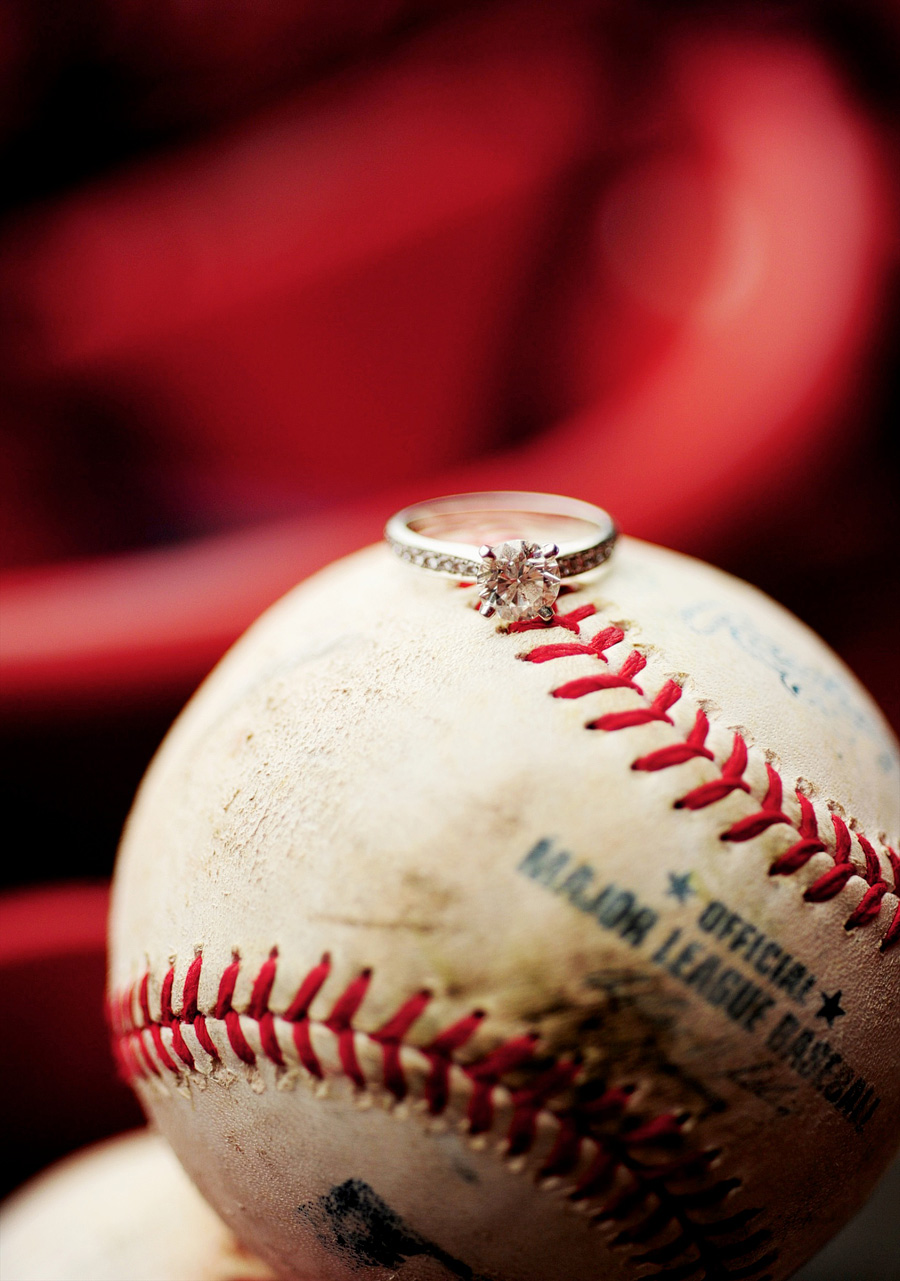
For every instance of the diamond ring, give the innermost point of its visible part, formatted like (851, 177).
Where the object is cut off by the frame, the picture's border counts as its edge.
(516, 546)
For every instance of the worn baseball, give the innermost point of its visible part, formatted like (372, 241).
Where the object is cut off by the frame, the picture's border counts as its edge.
(123, 1210)
(524, 953)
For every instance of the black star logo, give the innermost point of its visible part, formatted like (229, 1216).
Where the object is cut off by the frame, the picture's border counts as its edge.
(831, 1008)
(680, 886)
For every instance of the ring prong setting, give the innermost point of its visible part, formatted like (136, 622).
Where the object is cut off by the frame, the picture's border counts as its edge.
(486, 552)
(518, 581)
(550, 550)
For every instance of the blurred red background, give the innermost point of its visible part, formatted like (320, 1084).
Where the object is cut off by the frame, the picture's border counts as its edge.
(269, 272)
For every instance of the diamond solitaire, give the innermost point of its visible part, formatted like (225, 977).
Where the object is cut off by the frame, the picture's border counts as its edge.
(518, 580)
(516, 546)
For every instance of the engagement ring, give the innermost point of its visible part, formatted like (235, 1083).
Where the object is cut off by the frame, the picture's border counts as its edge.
(516, 546)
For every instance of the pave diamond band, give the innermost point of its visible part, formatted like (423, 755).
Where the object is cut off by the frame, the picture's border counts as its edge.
(464, 567)
(458, 566)
(516, 546)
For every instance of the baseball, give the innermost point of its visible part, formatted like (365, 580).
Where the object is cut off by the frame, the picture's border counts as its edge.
(123, 1210)
(443, 947)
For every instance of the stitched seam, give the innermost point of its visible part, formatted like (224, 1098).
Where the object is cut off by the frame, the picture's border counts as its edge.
(616, 1164)
(654, 708)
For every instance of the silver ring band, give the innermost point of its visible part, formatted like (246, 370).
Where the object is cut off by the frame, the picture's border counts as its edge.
(522, 534)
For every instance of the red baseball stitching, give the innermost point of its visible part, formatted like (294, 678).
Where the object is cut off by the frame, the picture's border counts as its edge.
(623, 1161)
(731, 775)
